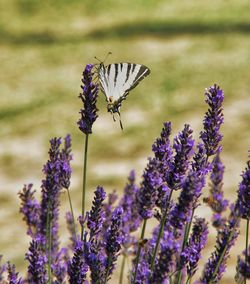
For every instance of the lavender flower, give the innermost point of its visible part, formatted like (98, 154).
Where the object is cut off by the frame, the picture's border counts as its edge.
(243, 201)
(243, 267)
(37, 263)
(66, 157)
(13, 275)
(30, 209)
(143, 270)
(215, 200)
(147, 195)
(131, 219)
(108, 209)
(192, 252)
(96, 215)
(51, 187)
(183, 145)
(191, 190)
(88, 96)
(226, 237)
(60, 267)
(164, 155)
(96, 259)
(213, 120)
(113, 240)
(162, 147)
(78, 268)
(200, 163)
(166, 260)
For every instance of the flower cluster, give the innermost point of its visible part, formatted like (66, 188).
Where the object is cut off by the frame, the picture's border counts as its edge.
(216, 201)
(170, 253)
(88, 96)
(243, 204)
(213, 120)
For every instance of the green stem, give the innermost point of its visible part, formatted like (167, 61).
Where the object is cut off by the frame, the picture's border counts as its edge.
(222, 254)
(122, 269)
(188, 280)
(72, 213)
(139, 249)
(48, 241)
(184, 242)
(163, 220)
(246, 255)
(84, 179)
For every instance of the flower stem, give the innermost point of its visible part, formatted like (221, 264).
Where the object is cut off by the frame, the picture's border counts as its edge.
(246, 255)
(72, 213)
(84, 180)
(163, 220)
(184, 242)
(48, 241)
(122, 269)
(139, 249)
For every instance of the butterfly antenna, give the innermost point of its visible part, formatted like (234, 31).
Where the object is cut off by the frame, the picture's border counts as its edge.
(107, 56)
(102, 61)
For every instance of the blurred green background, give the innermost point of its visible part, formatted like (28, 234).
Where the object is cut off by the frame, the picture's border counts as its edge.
(44, 46)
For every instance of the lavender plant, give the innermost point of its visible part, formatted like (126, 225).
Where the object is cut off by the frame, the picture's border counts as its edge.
(170, 253)
(88, 116)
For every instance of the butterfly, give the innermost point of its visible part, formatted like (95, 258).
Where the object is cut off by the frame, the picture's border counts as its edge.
(117, 80)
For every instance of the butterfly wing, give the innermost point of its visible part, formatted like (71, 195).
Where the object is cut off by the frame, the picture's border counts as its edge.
(118, 79)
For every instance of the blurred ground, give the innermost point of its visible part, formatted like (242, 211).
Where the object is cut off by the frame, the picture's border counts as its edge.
(44, 46)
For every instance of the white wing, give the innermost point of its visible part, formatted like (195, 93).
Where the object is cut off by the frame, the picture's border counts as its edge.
(118, 79)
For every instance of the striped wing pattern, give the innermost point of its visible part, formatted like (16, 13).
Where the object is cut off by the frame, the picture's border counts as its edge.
(118, 79)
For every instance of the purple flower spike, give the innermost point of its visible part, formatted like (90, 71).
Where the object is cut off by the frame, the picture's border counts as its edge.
(215, 200)
(131, 219)
(226, 237)
(108, 207)
(213, 120)
(94, 251)
(66, 158)
(243, 201)
(162, 147)
(37, 263)
(164, 156)
(147, 194)
(200, 163)
(191, 190)
(166, 261)
(88, 96)
(13, 275)
(30, 208)
(183, 145)
(113, 240)
(77, 269)
(96, 215)
(192, 252)
(243, 267)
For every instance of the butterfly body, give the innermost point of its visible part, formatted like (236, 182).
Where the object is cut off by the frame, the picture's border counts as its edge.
(117, 79)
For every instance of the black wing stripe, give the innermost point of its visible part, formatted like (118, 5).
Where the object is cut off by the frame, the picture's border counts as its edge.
(128, 72)
(116, 73)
